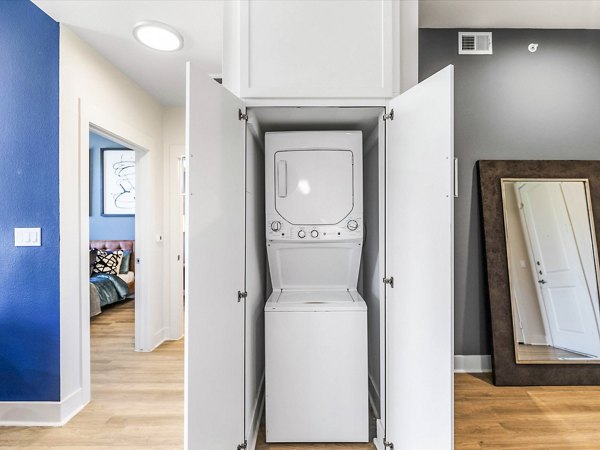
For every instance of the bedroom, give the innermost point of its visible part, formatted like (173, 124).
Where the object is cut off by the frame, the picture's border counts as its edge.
(112, 225)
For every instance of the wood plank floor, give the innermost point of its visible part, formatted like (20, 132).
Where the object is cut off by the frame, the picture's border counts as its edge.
(546, 353)
(486, 416)
(137, 398)
(137, 403)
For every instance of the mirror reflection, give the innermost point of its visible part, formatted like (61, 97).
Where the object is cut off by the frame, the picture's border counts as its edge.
(553, 266)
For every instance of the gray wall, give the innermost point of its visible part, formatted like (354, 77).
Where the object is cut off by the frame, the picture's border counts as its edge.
(511, 105)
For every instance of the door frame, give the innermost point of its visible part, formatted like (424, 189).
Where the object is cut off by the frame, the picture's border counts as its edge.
(92, 118)
(174, 283)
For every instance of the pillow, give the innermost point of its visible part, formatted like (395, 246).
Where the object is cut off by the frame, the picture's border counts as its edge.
(124, 267)
(92, 259)
(107, 262)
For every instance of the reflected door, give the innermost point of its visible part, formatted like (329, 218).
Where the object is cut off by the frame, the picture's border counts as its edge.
(563, 290)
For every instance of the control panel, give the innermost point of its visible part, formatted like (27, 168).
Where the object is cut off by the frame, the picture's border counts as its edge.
(349, 228)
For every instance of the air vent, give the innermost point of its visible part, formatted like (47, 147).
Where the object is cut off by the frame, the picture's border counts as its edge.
(474, 43)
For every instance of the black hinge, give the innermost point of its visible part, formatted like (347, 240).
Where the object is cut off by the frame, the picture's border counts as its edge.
(389, 280)
(389, 116)
(242, 295)
(241, 115)
(388, 444)
(242, 446)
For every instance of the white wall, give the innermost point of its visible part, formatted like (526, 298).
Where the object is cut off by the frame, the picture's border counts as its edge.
(173, 145)
(93, 89)
(370, 280)
(256, 276)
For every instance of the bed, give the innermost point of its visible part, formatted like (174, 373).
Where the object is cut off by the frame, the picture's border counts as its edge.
(112, 284)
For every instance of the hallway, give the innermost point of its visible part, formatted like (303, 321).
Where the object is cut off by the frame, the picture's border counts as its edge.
(137, 398)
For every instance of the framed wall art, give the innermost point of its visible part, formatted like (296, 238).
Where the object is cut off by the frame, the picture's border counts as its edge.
(118, 182)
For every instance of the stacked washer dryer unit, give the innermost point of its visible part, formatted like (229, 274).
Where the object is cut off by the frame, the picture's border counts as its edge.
(315, 320)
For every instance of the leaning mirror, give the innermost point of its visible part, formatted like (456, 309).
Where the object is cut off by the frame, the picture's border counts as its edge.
(552, 258)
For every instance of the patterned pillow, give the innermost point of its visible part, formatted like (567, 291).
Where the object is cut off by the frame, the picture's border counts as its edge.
(107, 262)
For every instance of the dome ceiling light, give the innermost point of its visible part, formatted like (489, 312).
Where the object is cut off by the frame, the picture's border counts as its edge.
(158, 36)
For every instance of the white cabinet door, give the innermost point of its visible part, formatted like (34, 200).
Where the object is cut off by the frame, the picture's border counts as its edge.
(214, 342)
(419, 256)
(326, 48)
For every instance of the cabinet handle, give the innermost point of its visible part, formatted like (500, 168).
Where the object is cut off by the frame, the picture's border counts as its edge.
(181, 174)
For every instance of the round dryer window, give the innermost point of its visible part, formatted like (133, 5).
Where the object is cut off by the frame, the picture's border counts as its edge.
(314, 186)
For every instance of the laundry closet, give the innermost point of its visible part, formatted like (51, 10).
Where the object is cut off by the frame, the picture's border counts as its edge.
(405, 243)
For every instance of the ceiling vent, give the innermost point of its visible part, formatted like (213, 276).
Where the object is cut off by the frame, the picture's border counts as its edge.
(474, 43)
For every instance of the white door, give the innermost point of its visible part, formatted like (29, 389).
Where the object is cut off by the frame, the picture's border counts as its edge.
(314, 186)
(419, 257)
(558, 266)
(214, 343)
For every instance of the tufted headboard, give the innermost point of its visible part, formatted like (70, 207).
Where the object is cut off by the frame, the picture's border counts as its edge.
(117, 245)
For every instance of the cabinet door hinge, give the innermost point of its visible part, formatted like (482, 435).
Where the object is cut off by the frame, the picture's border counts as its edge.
(243, 446)
(389, 280)
(389, 116)
(387, 444)
(242, 295)
(241, 115)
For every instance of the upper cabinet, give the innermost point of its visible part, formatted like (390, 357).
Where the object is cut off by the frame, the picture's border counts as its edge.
(320, 49)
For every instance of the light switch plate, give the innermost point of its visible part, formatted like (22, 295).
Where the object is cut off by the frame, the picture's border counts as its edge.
(28, 237)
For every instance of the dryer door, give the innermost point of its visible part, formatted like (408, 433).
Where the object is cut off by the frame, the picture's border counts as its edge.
(314, 186)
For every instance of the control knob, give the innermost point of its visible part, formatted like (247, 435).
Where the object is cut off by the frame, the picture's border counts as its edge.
(301, 234)
(352, 225)
(314, 233)
(276, 226)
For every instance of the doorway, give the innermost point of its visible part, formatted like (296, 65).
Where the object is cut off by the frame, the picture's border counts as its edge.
(112, 224)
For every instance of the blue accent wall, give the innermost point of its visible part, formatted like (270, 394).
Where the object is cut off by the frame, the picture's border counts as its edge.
(29, 276)
(104, 227)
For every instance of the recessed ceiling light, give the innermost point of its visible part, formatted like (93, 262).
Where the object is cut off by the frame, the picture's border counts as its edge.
(158, 36)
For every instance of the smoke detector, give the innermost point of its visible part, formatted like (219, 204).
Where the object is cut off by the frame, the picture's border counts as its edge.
(474, 43)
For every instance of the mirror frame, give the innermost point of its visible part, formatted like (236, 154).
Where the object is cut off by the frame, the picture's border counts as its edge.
(507, 372)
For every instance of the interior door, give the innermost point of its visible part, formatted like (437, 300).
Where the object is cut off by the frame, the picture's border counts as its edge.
(419, 257)
(215, 226)
(558, 267)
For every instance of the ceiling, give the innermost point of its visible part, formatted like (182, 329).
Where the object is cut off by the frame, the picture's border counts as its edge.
(509, 14)
(107, 26)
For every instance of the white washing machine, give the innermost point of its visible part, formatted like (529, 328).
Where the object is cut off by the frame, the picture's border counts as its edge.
(315, 320)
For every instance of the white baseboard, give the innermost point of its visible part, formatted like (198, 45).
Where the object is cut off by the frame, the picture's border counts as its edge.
(378, 440)
(44, 414)
(257, 413)
(158, 339)
(537, 339)
(472, 363)
(374, 398)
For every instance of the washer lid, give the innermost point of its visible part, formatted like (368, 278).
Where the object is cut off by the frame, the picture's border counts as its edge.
(315, 301)
(314, 266)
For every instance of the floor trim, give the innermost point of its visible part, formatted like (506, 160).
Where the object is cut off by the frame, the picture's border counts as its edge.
(472, 363)
(43, 414)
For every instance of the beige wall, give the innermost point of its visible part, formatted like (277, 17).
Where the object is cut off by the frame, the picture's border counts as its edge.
(93, 89)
